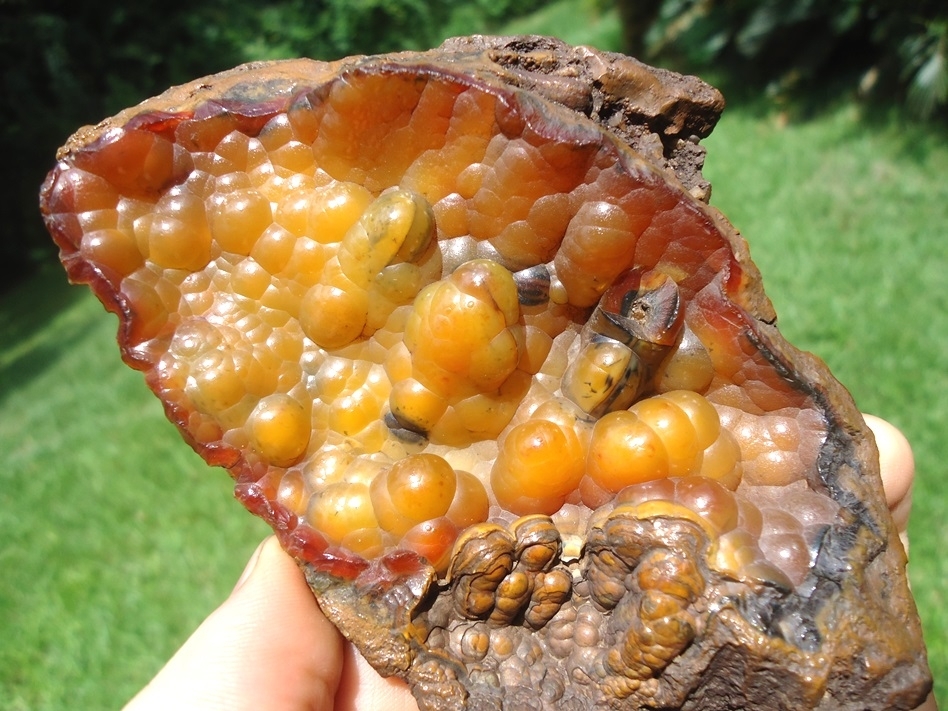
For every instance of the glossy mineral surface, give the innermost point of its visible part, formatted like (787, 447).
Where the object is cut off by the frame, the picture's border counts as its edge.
(465, 349)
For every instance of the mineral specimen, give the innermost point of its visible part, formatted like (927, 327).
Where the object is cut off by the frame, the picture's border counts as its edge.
(466, 333)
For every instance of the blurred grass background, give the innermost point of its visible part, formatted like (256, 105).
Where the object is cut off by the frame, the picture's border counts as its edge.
(117, 540)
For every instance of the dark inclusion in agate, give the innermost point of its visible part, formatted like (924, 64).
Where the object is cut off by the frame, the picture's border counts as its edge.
(466, 333)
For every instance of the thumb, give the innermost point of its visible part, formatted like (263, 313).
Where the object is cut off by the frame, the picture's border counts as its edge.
(898, 470)
(267, 646)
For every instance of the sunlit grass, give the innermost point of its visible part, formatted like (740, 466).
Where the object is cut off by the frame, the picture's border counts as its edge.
(117, 540)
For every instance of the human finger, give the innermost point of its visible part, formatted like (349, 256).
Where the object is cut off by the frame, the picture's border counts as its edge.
(897, 465)
(267, 646)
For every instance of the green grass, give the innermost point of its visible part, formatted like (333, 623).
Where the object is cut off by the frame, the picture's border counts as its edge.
(117, 540)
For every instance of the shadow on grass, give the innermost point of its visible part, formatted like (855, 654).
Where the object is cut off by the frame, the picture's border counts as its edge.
(38, 326)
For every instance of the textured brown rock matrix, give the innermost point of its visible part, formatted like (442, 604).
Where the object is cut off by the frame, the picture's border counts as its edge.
(467, 334)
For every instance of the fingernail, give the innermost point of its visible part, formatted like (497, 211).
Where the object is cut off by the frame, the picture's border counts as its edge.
(248, 570)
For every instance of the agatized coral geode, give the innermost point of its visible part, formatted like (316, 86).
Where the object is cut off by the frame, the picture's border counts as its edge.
(467, 335)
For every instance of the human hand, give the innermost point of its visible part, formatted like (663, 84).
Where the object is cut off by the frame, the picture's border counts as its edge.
(268, 646)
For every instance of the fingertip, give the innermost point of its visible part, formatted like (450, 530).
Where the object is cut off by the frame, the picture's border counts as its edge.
(359, 687)
(297, 654)
(896, 461)
(251, 564)
(267, 646)
(271, 571)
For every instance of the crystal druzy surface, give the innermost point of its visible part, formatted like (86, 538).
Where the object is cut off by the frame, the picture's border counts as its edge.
(467, 335)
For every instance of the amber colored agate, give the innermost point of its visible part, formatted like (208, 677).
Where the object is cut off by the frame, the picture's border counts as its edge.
(371, 301)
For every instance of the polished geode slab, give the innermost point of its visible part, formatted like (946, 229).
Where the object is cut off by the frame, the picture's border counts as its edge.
(465, 331)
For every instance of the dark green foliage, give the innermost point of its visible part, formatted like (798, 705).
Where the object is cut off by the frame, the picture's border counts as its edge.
(884, 49)
(73, 63)
(925, 57)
